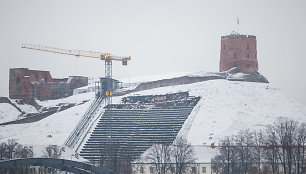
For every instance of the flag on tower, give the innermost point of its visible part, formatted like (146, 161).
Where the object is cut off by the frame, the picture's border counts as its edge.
(237, 20)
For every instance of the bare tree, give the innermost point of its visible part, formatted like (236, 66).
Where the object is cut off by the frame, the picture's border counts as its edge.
(110, 156)
(160, 156)
(282, 144)
(285, 133)
(300, 148)
(182, 154)
(52, 151)
(226, 161)
(11, 145)
(126, 163)
(271, 150)
(243, 142)
(257, 152)
(3, 147)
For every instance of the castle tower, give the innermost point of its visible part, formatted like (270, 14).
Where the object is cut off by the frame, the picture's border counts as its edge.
(238, 51)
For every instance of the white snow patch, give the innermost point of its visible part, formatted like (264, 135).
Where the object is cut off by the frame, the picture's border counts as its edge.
(203, 74)
(8, 113)
(25, 107)
(78, 98)
(140, 79)
(240, 76)
(52, 130)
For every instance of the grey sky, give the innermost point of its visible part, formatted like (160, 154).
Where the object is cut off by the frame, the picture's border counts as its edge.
(162, 36)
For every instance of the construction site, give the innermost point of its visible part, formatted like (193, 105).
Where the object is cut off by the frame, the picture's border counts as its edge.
(115, 128)
(124, 130)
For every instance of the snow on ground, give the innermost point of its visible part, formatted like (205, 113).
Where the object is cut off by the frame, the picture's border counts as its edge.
(78, 98)
(25, 107)
(203, 74)
(131, 83)
(227, 107)
(52, 130)
(8, 113)
(139, 79)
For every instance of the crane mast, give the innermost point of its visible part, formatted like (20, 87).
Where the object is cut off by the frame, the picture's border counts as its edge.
(107, 57)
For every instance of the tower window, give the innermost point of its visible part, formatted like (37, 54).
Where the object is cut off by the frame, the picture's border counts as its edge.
(235, 64)
(247, 46)
(18, 80)
(248, 55)
(235, 56)
(224, 47)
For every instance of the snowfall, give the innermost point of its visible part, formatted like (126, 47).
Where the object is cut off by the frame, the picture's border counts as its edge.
(225, 108)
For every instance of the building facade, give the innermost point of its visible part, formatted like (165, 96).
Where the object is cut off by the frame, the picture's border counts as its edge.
(238, 51)
(32, 84)
(202, 154)
(195, 168)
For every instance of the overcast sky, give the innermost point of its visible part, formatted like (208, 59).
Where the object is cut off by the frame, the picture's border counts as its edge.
(162, 36)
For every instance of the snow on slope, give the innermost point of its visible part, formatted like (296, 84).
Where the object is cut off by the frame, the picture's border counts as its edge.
(26, 108)
(52, 130)
(71, 99)
(227, 106)
(8, 112)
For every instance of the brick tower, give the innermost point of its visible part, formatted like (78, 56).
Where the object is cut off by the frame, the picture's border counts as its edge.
(238, 51)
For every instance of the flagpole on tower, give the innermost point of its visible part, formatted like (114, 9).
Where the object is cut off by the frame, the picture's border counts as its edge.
(238, 24)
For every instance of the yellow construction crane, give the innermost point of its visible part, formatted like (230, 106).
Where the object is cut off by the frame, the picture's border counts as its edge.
(107, 57)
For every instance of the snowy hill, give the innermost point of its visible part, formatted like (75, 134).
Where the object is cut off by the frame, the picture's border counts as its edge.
(228, 106)
(8, 112)
(52, 130)
(225, 107)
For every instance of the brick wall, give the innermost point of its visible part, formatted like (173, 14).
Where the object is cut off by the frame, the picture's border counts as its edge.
(29, 84)
(238, 51)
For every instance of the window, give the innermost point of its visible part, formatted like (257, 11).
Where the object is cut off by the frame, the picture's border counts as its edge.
(248, 65)
(235, 64)
(193, 169)
(224, 47)
(151, 169)
(247, 47)
(235, 56)
(248, 55)
(18, 80)
(141, 169)
(214, 170)
(203, 169)
(172, 169)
